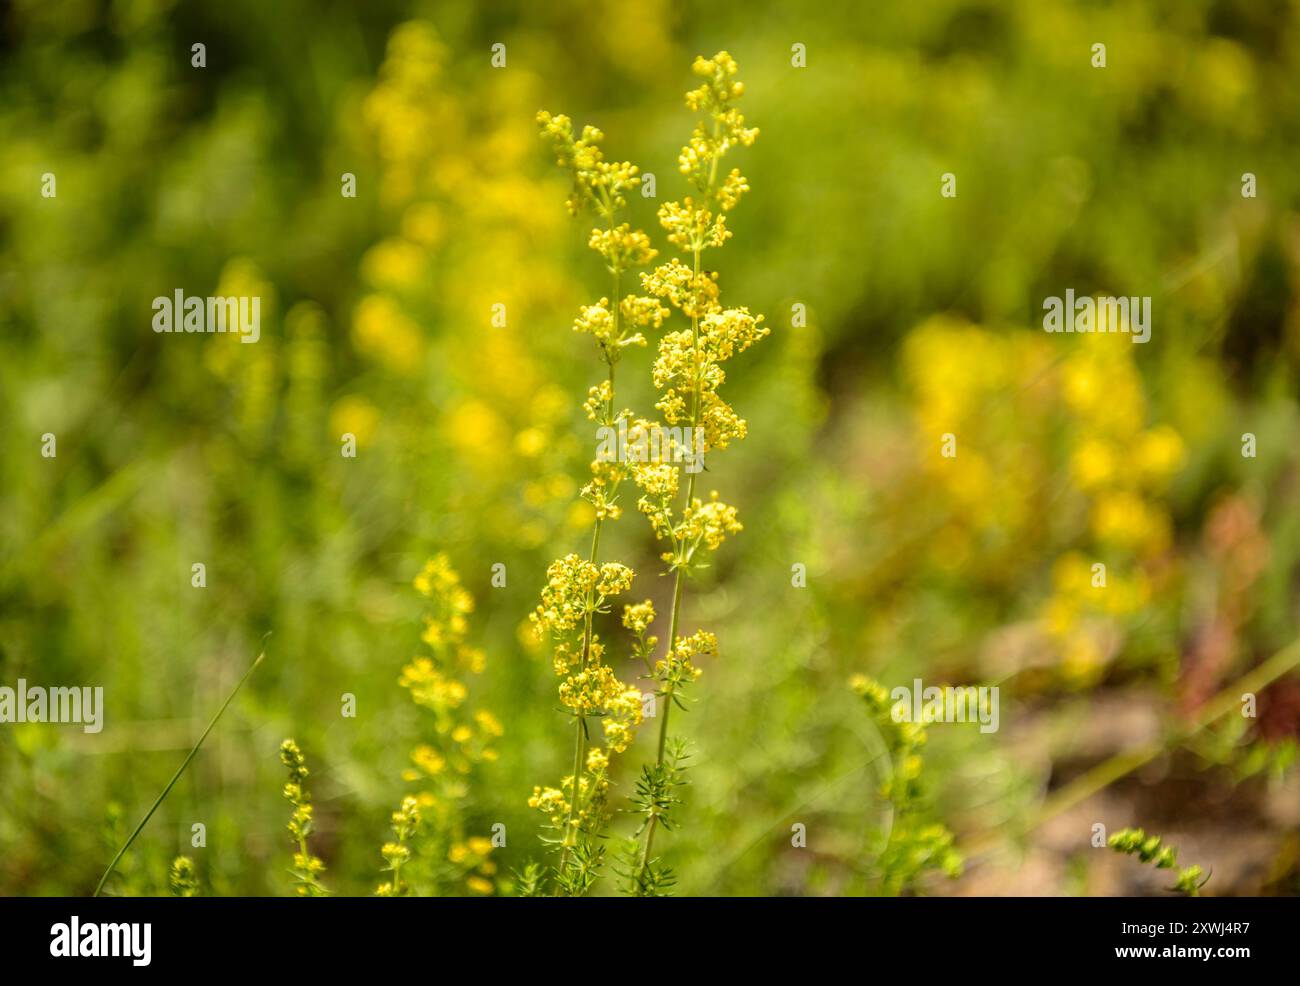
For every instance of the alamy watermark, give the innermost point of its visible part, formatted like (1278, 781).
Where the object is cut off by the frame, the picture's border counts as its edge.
(74, 940)
(651, 443)
(951, 703)
(238, 315)
(38, 704)
(1089, 314)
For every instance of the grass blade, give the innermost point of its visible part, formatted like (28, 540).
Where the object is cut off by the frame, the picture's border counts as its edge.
(177, 776)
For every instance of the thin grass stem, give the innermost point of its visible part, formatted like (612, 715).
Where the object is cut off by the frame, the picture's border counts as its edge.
(175, 777)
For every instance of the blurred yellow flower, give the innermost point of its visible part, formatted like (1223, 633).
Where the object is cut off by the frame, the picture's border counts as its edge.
(1160, 453)
(354, 415)
(393, 263)
(382, 332)
(1093, 464)
(531, 442)
(1124, 519)
(423, 223)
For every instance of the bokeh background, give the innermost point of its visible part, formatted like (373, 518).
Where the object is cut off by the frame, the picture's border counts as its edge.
(923, 318)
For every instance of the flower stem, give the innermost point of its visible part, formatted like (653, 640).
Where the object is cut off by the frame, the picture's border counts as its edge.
(580, 738)
(680, 580)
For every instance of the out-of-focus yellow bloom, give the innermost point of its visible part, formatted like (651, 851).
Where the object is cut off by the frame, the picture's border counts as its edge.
(428, 760)
(1093, 464)
(354, 415)
(1160, 453)
(394, 263)
(1124, 519)
(473, 424)
(532, 442)
(1009, 403)
(489, 723)
(382, 331)
(423, 223)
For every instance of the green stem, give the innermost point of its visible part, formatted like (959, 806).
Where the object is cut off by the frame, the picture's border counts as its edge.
(177, 776)
(403, 833)
(680, 579)
(580, 739)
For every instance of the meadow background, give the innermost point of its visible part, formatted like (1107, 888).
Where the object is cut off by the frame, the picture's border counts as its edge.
(923, 318)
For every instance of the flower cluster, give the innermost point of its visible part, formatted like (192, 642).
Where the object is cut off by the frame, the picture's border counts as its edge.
(688, 368)
(182, 878)
(405, 822)
(430, 822)
(724, 129)
(578, 589)
(637, 617)
(307, 868)
(678, 667)
(623, 247)
(702, 523)
(596, 182)
(436, 680)
(691, 293)
(688, 373)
